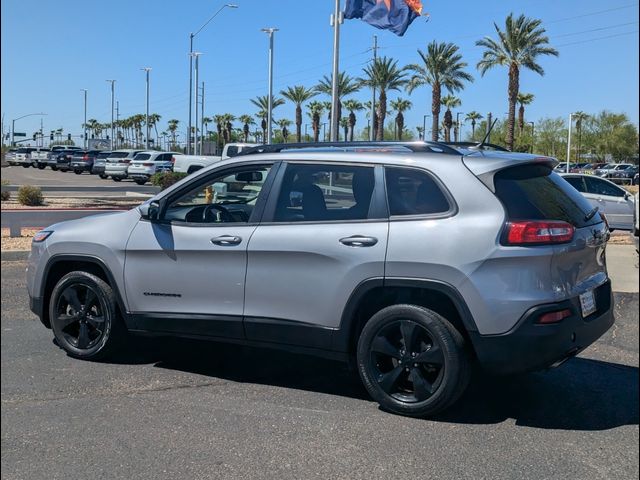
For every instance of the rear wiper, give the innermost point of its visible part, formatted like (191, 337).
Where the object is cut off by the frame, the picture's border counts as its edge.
(590, 215)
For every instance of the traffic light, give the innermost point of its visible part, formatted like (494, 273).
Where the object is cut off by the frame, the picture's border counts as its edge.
(68, 137)
(34, 136)
(51, 137)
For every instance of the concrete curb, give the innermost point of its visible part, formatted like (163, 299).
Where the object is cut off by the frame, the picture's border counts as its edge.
(14, 255)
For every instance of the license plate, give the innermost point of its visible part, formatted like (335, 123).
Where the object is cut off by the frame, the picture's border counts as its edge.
(587, 303)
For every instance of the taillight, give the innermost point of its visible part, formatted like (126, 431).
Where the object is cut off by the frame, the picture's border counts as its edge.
(554, 317)
(147, 164)
(173, 159)
(126, 160)
(86, 157)
(534, 232)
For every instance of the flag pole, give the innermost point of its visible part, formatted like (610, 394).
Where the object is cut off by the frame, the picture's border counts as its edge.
(336, 20)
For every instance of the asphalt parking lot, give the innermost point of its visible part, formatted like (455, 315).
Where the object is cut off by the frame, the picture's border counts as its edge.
(34, 176)
(187, 409)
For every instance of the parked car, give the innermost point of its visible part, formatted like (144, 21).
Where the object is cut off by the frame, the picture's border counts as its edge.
(56, 151)
(348, 254)
(99, 164)
(23, 156)
(10, 156)
(192, 163)
(624, 174)
(562, 167)
(39, 157)
(579, 167)
(616, 203)
(118, 162)
(145, 164)
(603, 170)
(82, 161)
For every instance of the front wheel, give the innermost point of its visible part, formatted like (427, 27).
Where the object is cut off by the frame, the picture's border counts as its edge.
(412, 361)
(26, 165)
(78, 172)
(84, 316)
(41, 166)
(141, 182)
(117, 179)
(103, 176)
(54, 168)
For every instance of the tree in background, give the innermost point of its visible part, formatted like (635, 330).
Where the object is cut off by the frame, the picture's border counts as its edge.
(450, 102)
(298, 94)
(346, 86)
(352, 106)
(518, 46)
(262, 102)
(247, 121)
(400, 105)
(523, 99)
(473, 117)
(315, 112)
(580, 118)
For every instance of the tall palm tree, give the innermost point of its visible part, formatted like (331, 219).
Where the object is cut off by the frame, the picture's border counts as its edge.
(219, 121)
(154, 118)
(206, 121)
(315, 112)
(353, 106)
(441, 67)
(91, 126)
(373, 122)
(400, 105)
(228, 119)
(523, 99)
(473, 117)
(385, 75)
(344, 123)
(580, 118)
(298, 94)
(262, 102)
(518, 46)
(247, 121)
(450, 102)
(284, 123)
(346, 86)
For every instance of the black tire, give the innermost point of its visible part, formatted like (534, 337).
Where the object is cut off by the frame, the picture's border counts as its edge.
(54, 168)
(117, 179)
(412, 361)
(84, 316)
(26, 165)
(78, 172)
(140, 182)
(41, 167)
(102, 176)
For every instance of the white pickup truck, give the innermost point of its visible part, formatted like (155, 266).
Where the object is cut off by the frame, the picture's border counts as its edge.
(191, 163)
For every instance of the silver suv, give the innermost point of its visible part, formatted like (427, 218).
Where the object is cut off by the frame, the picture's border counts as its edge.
(413, 261)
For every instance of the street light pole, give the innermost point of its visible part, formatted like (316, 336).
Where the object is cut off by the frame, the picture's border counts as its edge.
(84, 125)
(195, 55)
(372, 135)
(13, 125)
(112, 105)
(147, 70)
(424, 127)
(458, 125)
(533, 135)
(569, 141)
(191, 35)
(270, 32)
(336, 20)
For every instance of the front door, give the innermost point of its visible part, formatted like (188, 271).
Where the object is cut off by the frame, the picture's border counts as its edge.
(613, 201)
(185, 273)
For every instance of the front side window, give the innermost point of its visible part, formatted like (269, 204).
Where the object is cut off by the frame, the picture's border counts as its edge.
(413, 192)
(600, 187)
(316, 193)
(227, 198)
(576, 182)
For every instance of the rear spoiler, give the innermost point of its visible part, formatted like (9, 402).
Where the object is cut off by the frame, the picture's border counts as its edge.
(485, 165)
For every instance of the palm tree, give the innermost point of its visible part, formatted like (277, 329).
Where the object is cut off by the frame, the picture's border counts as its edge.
(441, 66)
(400, 105)
(154, 118)
(228, 119)
(91, 125)
(344, 123)
(315, 112)
(450, 102)
(172, 126)
(262, 102)
(206, 121)
(373, 123)
(246, 120)
(519, 45)
(385, 75)
(523, 99)
(473, 117)
(353, 106)
(219, 119)
(298, 94)
(346, 86)
(284, 123)
(580, 117)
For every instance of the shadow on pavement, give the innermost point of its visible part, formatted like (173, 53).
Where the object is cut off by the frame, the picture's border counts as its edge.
(582, 394)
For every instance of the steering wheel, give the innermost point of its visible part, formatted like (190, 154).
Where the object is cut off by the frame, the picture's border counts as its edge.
(222, 214)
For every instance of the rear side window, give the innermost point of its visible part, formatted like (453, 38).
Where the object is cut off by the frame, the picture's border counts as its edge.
(414, 192)
(534, 192)
(142, 156)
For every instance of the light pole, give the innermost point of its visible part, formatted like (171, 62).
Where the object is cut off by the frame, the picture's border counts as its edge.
(112, 99)
(191, 35)
(424, 127)
(533, 135)
(13, 125)
(195, 55)
(270, 31)
(569, 141)
(84, 125)
(336, 20)
(146, 121)
(306, 137)
(458, 125)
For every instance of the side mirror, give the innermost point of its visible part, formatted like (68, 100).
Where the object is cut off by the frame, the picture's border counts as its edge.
(150, 211)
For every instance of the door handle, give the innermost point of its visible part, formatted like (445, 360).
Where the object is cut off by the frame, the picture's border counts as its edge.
(226, 240)
(359, 241)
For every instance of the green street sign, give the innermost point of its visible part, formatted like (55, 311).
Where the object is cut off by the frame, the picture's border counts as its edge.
(19, 134)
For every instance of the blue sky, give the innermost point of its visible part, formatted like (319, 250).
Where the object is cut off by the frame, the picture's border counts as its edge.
(51, 50)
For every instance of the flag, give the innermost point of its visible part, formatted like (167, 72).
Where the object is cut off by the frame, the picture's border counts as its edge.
(394, 15)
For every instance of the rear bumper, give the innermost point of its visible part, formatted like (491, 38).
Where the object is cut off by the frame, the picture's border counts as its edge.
(97, 169)
(85, 167)
(530, 346)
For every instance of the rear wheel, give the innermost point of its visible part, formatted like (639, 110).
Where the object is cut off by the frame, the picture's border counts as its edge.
(26, 165)
(84, 316)
(141, 182)
(41, 167)
(412, 361)
(54, 168)
(117, 179)
(103, 176)
(78, 172)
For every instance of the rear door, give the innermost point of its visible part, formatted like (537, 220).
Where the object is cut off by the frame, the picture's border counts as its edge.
(324, 232)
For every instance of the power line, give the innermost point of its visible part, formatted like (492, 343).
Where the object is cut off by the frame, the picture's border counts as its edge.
(597, 38)
(595, 29)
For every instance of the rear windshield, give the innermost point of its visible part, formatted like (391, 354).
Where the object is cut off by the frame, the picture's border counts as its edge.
(103, 154)
(118, 154)
(142, 156)
(535, 192)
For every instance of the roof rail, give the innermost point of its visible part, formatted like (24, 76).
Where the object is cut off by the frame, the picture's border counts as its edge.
(476, 146)
(416, 147)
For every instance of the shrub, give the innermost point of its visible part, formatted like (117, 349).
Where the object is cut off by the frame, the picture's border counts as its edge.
(5, 195)
(30, 196)
(166, 179)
